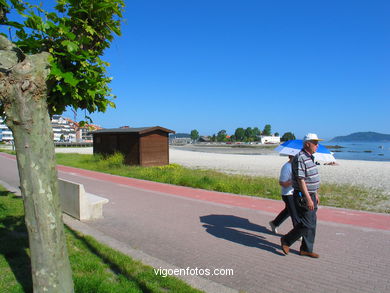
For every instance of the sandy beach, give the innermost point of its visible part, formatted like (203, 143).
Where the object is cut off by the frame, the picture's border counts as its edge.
(371, 174)
(266, 162)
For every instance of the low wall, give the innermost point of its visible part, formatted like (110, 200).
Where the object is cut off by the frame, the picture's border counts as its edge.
(79, 204)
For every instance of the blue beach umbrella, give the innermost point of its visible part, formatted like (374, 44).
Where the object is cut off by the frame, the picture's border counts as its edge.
(292, 147)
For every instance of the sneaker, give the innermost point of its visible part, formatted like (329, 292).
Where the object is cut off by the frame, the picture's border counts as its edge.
(273, 227)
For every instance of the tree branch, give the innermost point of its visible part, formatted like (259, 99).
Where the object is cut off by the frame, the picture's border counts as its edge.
(10, 54)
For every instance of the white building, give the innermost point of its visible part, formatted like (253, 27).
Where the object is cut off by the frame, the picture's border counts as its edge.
(84, 134)
(269, 139)
(63, 129)
(5, 132)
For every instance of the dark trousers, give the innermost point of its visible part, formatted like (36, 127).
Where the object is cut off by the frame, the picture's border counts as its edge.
(289, 210)
(306, 228)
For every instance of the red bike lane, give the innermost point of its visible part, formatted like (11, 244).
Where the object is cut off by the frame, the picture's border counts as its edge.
(326, 214)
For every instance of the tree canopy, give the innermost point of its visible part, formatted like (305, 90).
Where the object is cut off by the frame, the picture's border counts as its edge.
(267, 129)
(239, 134)
(221, 135)
(75, 35)
(194, 134)
(287, 136)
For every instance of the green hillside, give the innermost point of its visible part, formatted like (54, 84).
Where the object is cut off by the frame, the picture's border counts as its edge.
(363, 136)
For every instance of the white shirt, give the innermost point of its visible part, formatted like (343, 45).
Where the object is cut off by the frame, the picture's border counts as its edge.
(285, 175)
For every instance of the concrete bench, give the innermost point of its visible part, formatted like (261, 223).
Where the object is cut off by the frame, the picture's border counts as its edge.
(79, 204)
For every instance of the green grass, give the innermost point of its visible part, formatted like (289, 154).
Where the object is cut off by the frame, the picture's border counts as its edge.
(176, 174)
(354, 197)
(96, 267)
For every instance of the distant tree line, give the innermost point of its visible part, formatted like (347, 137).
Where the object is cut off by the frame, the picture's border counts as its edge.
(248, 134)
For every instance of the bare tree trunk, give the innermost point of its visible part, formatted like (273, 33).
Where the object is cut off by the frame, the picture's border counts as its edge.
(23, 94)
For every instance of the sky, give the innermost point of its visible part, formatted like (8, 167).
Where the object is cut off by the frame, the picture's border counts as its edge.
(300, 66)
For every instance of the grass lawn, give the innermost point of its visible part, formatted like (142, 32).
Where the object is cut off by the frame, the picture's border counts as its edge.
(96, 267)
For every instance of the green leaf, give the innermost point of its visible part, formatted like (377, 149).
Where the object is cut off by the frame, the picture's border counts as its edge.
(14, 24)
(91, 93)
(112, 104)
(90, 30)
(81, 10)
(104, 5)
(71, 46)
(53, 16)
(18, 5)
(54, 68)
(69, 78)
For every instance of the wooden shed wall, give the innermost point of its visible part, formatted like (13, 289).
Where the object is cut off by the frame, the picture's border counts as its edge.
(104, 143)
(154, 149)
(127, 144)
(149, 149)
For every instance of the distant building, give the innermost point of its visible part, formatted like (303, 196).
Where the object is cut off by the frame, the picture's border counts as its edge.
(5, 133)
(180, 138)
(83, 134)
(63, 129)
(67, 130)
(269, 139)
(204, 139)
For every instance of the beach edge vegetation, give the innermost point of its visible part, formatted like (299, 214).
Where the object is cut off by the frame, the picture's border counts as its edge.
(334, 195)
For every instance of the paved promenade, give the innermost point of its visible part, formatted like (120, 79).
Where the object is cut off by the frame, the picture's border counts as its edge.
(170, 226)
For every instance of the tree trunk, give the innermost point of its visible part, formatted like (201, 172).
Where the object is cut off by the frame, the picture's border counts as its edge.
(23, 94)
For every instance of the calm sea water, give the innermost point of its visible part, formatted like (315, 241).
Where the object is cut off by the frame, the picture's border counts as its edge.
(369, 151)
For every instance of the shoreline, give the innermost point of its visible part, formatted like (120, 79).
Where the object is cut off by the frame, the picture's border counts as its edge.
(269, 149)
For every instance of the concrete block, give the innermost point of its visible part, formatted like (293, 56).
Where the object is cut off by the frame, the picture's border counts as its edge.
(79, 204)
(95, 206)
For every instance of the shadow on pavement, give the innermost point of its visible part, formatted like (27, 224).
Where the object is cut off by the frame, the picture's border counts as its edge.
(239, 230)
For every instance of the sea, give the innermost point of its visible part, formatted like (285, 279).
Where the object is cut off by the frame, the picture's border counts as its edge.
(367, 151)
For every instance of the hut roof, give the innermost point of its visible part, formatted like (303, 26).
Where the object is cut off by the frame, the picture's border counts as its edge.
(140, 130)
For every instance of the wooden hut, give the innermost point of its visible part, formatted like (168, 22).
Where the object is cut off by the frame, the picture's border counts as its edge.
(144, 146)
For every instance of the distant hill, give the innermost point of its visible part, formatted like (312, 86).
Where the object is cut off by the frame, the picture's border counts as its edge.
(363, 136)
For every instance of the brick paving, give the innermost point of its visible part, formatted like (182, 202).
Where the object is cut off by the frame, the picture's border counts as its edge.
(192, 228)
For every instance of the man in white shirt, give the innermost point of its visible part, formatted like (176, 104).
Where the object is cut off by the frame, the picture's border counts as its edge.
(287, 192)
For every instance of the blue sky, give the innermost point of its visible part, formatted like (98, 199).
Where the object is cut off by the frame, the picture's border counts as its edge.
(301, 66)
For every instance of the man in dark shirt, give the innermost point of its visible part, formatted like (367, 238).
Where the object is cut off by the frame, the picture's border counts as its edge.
(306, 182)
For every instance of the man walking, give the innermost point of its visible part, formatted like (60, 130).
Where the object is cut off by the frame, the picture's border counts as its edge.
(285, 182)
(306, 182)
